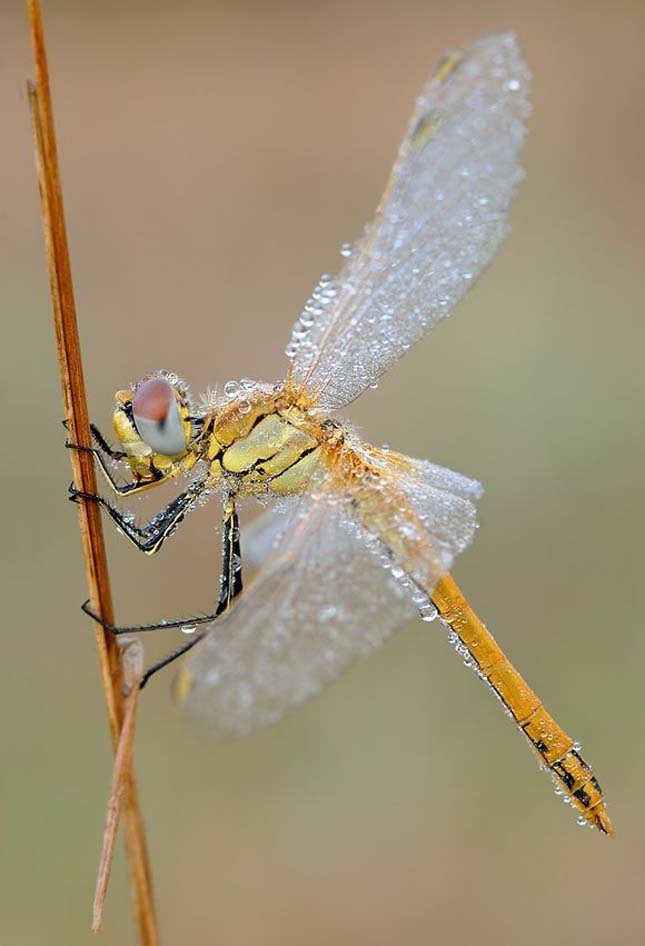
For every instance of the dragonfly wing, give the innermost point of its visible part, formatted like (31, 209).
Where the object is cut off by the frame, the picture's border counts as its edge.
(439, 224)
(329, 592)
(323, 599)
(423, 514)
(261, 538)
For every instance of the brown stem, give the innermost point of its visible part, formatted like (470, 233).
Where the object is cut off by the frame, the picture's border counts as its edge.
(71, 372)
(132, 657)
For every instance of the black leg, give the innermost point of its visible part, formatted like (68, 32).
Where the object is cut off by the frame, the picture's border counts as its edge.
(105, 446)
(150, 536)
(104, 452)
(231, 578)
(171, 657)
(230, 586)
(102, 443)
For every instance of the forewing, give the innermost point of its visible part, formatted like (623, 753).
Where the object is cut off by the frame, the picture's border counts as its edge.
(439, 224)
(322, 600)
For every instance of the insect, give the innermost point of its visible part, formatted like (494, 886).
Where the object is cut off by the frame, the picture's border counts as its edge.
(361, 538)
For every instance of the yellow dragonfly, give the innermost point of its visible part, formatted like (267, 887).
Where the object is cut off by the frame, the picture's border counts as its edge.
(356, 540)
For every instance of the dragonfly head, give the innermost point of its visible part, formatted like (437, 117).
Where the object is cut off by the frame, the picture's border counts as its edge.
(153, 422)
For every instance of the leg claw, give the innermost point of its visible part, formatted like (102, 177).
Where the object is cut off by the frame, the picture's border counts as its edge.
(77, 446)
(77, 494)
(86, 609)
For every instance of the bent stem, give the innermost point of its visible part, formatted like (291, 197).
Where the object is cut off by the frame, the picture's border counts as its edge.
(71, 373)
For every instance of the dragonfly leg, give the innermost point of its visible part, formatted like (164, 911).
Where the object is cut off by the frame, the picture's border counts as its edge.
(102, 444)
(103, 453)
(150, 536)
(230, 587)
(170, 658)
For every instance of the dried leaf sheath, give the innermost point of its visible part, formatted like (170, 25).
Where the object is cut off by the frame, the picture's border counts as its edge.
(71, 372)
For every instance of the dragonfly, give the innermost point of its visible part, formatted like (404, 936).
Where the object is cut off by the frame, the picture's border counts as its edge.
(355, 540)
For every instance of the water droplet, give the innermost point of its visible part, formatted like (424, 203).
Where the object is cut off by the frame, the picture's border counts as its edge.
(299, 330)
(346, 250)
(232, 389)
(327, 613)
(244, 407)
(428, 612)
(513, 85)
(188, 629)
(292, 349)
(582, 821)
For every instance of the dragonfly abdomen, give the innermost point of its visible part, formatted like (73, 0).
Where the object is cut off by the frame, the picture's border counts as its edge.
(387, 513)
(555, 750)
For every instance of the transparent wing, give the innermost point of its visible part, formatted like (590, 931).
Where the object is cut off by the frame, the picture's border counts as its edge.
(261, 539)
(439, 224)
(329, 594)
(324, 600)
(422, 515)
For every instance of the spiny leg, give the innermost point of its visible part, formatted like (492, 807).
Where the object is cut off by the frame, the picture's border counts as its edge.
(103, 451)
(171, 657)
(150, 536)
(230, 585)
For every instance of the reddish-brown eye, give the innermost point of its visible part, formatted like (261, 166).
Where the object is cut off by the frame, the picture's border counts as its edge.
(153, 399)
(157, 418)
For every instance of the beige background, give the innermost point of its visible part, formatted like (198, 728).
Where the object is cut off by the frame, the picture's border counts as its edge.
(215, 156)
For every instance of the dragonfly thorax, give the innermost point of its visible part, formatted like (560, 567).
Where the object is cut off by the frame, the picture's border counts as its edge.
(263, 444)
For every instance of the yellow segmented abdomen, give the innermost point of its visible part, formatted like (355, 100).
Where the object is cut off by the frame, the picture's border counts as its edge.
(387, 513)
(553, 747)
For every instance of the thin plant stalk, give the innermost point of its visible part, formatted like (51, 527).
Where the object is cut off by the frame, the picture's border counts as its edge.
(71, 372)
(132, 662)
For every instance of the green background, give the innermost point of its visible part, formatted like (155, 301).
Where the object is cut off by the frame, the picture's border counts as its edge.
(214, 158)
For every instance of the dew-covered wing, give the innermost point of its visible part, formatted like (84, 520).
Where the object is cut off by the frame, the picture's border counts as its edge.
(423, 515)
(322, 599)
(439, 223)
(332, 590)
(261, 538)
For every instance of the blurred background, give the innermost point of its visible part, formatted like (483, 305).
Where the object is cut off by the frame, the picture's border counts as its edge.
(214, 157)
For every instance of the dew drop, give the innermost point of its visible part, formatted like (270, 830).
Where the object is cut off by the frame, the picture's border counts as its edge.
(232, 389)
(428, 612)
(299, 330)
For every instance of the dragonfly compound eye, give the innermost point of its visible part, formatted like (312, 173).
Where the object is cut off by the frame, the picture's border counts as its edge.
(156, 414)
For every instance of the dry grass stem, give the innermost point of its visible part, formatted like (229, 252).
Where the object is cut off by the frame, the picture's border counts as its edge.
(132, 654)
(71, 372)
